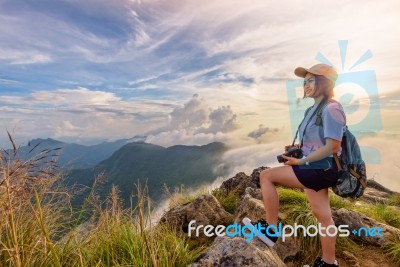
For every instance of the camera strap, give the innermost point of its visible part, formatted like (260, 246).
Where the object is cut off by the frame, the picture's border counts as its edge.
(320, 105)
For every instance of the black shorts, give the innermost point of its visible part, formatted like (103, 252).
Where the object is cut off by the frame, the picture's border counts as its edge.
(318, 175)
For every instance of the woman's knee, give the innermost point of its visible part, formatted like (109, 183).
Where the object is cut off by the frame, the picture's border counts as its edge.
(322, 214)
(265, 176)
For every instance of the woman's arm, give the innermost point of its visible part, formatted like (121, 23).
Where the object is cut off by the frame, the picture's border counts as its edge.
(331, 146)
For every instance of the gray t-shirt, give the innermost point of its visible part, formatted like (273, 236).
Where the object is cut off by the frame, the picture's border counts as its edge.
(333, 120)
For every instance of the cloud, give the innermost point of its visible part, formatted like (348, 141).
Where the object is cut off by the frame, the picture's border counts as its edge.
(386, 172)
(246, 159)
(261, 131)
(79, 115)
(193, 114)
(221, 120)
(195, 124)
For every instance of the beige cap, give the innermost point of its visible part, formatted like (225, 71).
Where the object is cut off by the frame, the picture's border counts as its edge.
(319, 69)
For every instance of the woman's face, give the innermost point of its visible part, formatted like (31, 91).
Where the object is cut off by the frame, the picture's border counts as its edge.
(309, 85)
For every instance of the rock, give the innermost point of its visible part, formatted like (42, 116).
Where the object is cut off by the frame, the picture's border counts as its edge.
(374, 196)
(356, 220)
(251, 206)
(286, 249)
(241, 181)
(235, 251)
(255, 175)
(236, 184)
(379, 187)
(204, 210)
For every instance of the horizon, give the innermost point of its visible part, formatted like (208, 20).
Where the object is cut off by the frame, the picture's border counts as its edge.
(184, 74)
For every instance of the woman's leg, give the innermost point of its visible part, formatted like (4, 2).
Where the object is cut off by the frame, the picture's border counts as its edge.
(269, 178)
(321, 209)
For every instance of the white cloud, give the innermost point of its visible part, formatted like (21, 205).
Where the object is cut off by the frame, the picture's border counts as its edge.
(247, 158)
(16, 57)
(193, 114)
(386, 172)
(222, 120)
(195, 124)
(79, 115)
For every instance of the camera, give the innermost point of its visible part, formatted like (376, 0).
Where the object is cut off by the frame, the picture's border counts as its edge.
(292, 151)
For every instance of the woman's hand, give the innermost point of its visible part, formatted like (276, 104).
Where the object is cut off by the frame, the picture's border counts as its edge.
(286, 147)
(290, 161)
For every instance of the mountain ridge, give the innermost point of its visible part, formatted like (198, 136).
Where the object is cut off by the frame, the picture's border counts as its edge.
(155, 165)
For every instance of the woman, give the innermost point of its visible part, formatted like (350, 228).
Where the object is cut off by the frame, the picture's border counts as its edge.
(316, 171)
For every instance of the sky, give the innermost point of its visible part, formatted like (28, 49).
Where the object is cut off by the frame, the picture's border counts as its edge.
(190, 72)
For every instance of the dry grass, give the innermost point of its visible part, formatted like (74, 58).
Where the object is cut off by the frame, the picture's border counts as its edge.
(39, 228)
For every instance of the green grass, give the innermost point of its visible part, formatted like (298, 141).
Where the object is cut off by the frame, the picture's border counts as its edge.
(393, 251)
(229, 202)
(388, 214)
(339, 202)
(394, 200)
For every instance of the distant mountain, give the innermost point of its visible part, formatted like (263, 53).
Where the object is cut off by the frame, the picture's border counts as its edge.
(173, 166)
(74, 156)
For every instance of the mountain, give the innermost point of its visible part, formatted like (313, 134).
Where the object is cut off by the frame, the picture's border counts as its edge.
(142, 162)
(75, 156)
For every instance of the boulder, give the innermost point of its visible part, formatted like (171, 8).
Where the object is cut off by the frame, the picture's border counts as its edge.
(235, 251)
(374, 195)
(251, 206)
(205, 210)
(356, 220)
(373, 184)
(237, 184)
(255, 175)
(241, 181)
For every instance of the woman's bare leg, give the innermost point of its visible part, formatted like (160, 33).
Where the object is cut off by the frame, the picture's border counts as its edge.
(320, 206)
(269, 178)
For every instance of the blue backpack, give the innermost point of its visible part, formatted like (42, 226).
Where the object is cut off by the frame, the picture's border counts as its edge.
(352, 172)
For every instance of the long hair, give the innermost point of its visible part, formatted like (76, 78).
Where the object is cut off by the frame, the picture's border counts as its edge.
(324, 86)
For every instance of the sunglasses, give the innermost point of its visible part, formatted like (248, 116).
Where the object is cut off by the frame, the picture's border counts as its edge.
(308, 81)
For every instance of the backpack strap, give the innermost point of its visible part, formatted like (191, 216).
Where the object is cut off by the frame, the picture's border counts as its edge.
(318, 120)
(352, 172)
(339, 166)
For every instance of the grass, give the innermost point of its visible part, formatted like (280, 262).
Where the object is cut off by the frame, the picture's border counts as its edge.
(394, 200)
(39, 228)
(182, 195)
(229, 202)
(393, 251)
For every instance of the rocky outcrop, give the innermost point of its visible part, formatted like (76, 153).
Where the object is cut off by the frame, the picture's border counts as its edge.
(373, 184)
(374, 195)
(255, 175)
(204, 210)
(235, 251)
(241, 181)
(356, 220)
(236, 184)
(251, 205)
